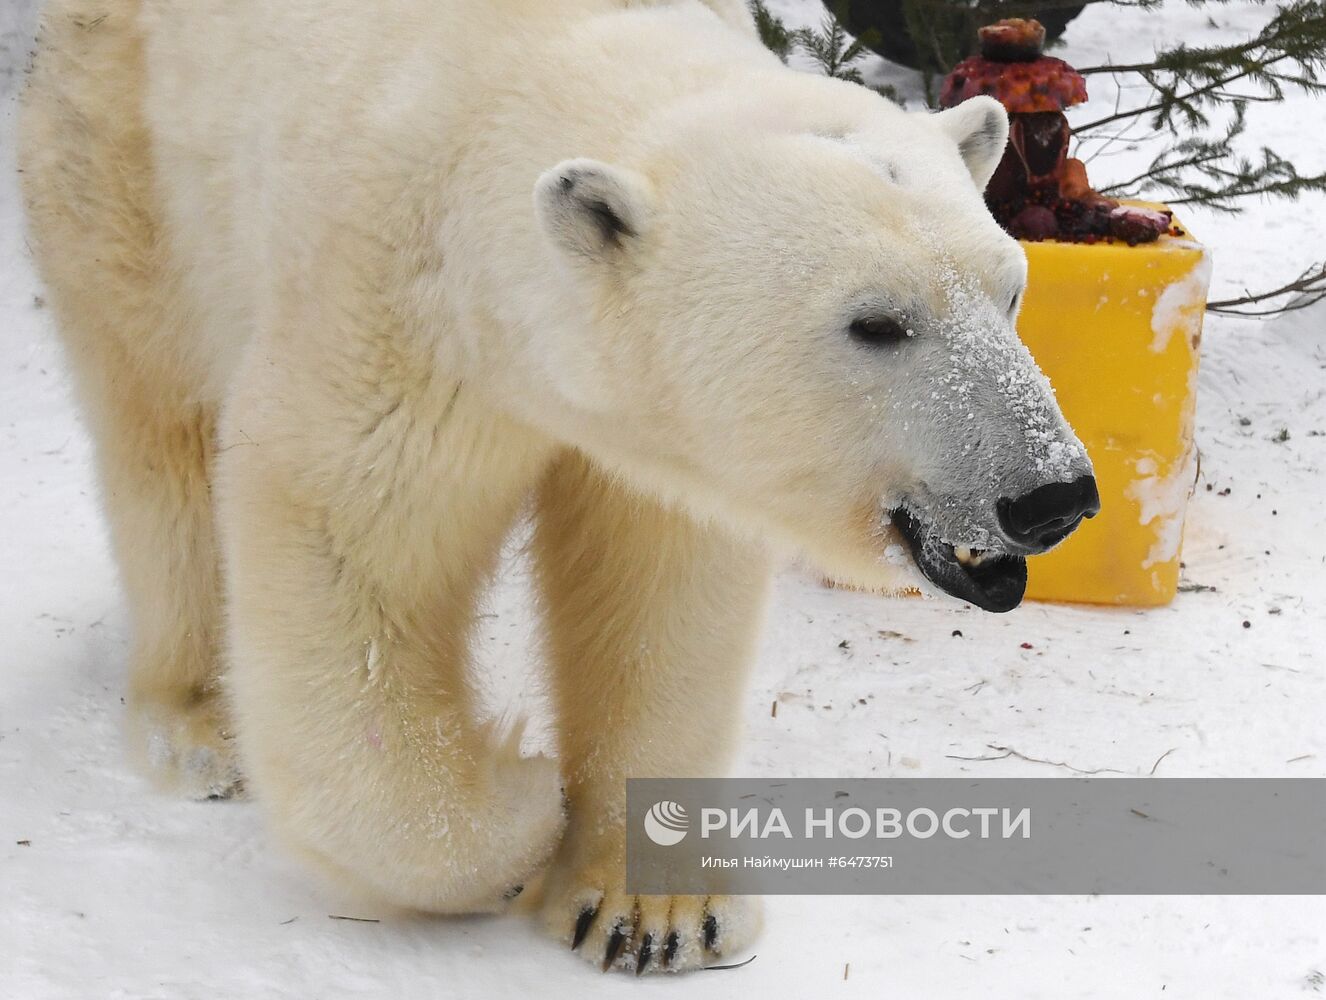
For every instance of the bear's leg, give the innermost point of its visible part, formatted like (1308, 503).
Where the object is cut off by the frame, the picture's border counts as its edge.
(652, 624)
(361, 517)
(155, 471)
(87, 183)
(154, 458)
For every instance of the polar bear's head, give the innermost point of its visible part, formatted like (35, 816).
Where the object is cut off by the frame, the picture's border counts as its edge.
(802, 320)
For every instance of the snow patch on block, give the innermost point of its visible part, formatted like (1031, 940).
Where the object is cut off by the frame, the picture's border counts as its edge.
(1163, 499)
(1180, 301)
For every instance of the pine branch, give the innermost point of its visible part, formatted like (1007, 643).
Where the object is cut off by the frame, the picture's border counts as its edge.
(1167, 169)
(1190, 81)
(1181, 57)
(1115, 68)
(1291, 185)
(829, 45)
(1310, 288)
(1210, 172)
(1171, 101)
(773, 33)
(1159, 166)
(1140, 4)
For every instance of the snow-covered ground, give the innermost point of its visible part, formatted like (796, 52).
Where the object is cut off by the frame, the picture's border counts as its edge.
(110, 890)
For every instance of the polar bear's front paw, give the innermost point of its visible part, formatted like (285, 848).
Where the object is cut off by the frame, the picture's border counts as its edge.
(647, 933)
(186, 749)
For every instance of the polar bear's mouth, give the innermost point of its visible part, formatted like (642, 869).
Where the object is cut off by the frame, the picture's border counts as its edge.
(992, 581)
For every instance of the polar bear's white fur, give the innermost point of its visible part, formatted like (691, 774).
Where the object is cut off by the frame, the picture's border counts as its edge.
(348, 284)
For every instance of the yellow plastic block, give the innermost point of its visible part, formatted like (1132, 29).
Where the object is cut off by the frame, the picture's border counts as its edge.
(1117, 330)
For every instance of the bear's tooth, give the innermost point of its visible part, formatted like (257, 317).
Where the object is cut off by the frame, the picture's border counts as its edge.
(969, 557)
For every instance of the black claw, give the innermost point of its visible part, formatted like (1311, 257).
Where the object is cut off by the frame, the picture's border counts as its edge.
(646, 953)
(583, 923)
(670, 947)
(616, 940)
(710, 931)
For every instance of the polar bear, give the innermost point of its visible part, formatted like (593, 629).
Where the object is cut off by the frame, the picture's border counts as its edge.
(347, 286)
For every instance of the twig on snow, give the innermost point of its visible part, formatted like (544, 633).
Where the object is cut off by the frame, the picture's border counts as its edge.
(1006, 752)
(1159, 759)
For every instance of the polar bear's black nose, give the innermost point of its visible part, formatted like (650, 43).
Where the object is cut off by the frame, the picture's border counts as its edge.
(1048, 514)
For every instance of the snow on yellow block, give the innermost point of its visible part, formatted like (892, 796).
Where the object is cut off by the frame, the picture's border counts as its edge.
(1117, 330)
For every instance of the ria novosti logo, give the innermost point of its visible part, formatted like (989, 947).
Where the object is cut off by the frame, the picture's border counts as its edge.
(666, 823)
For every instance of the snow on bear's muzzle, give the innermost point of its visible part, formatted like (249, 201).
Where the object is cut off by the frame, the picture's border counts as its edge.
(996, 581)
(997, 472)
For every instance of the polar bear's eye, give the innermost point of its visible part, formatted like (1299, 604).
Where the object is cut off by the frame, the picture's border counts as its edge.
(878, 331)
(1013, 305)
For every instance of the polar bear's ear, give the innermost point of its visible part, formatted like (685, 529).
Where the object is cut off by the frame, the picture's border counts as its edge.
(591, 208)
(979, 126)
